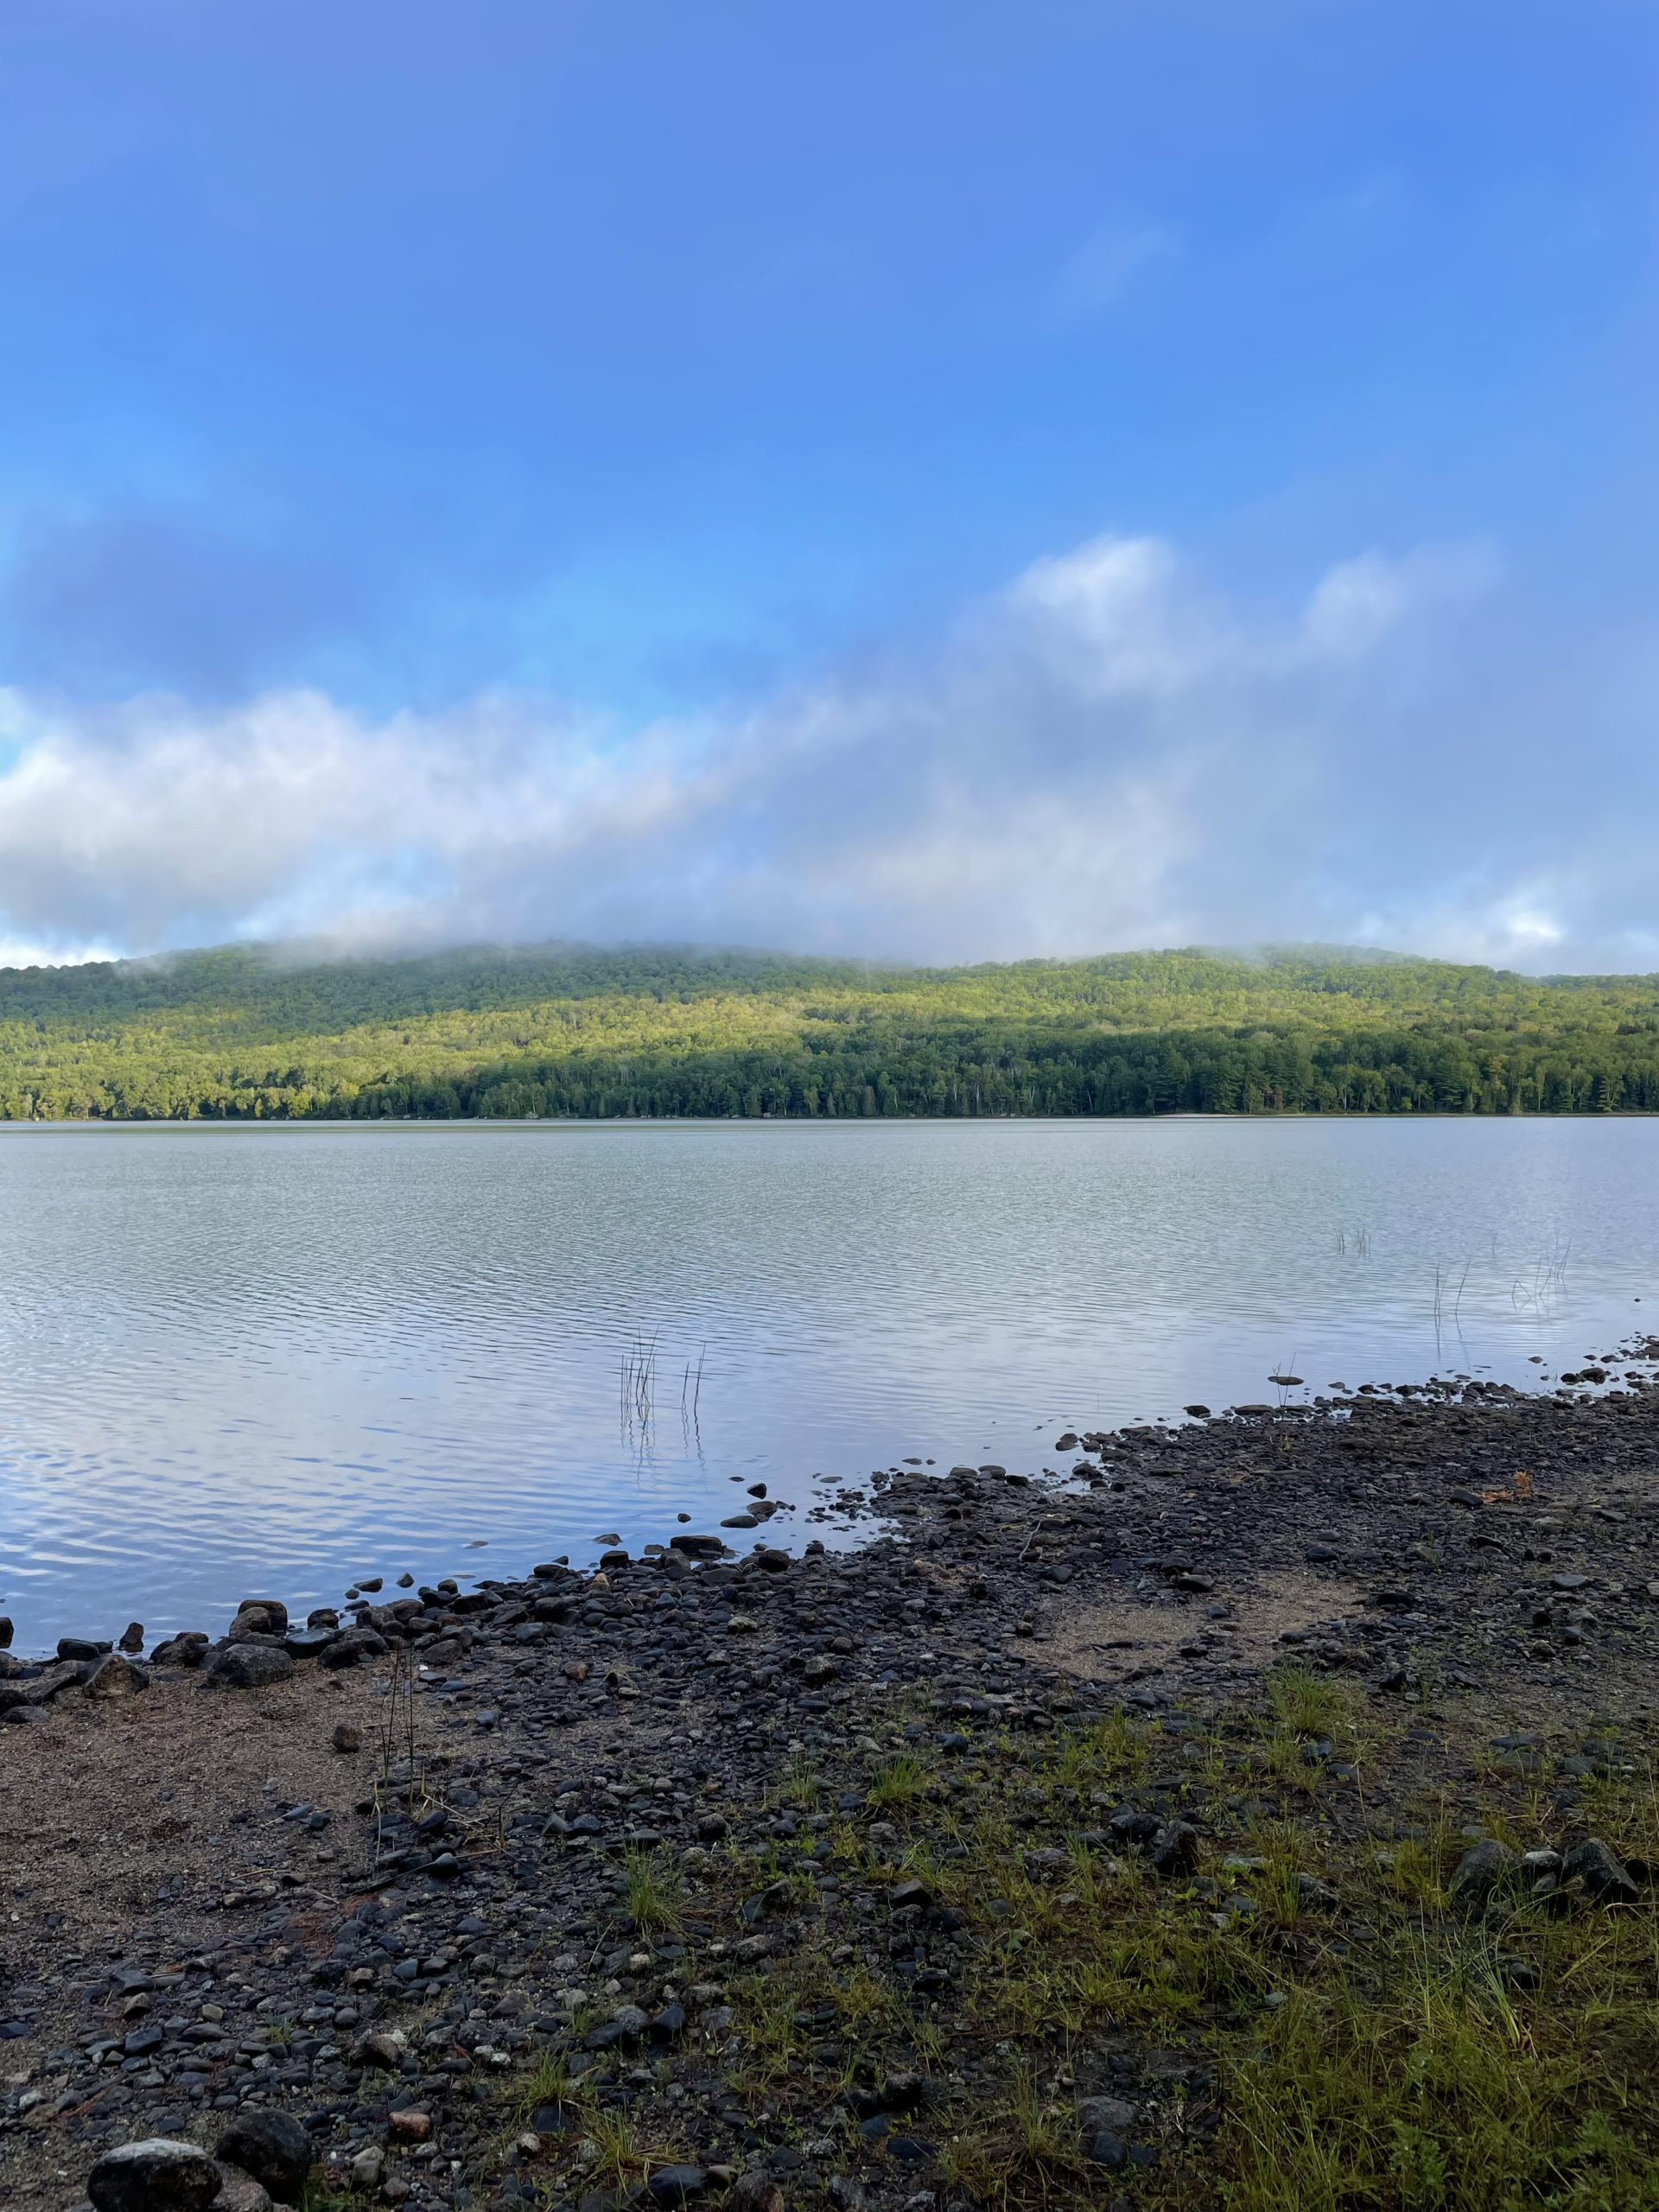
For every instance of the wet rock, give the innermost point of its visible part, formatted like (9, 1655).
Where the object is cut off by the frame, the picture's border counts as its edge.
(250, 1666)
(1480, 1870)
(79, 1648)
(273, 2147)
(275, 1610)
(6, 1631)
(353, 1648)
(1603, 1874)
(157, 2175)
(309, 1643)
(132, 1636)
(188, 1649)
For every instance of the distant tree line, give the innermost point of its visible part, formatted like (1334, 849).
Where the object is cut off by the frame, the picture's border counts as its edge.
(655, 1033)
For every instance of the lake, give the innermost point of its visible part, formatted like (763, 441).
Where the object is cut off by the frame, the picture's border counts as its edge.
(281, 1357)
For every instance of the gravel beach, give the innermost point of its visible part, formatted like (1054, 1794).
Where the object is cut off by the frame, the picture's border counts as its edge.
(494, 1895)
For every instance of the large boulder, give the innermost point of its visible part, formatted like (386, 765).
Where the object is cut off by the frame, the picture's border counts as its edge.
(250, 1666)
(158, 2175)
(273, 2147)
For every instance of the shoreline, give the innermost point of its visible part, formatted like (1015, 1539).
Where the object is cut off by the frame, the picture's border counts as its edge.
(854, 1500)
(583, 1749)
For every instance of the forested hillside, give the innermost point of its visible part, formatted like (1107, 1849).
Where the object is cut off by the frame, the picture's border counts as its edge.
(660, 1031)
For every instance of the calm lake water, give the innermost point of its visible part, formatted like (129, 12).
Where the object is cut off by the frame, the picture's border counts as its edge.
(281, 1357)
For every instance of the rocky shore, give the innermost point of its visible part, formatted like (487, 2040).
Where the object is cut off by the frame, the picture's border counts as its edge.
(735, 1875)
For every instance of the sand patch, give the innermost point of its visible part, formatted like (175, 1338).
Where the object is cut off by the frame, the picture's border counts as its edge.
(1131, 1636)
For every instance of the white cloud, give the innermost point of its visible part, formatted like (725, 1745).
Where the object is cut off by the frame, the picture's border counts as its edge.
(1122, 252)
(1107, 753)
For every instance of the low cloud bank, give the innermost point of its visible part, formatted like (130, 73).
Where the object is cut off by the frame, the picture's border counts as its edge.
(1108, 753)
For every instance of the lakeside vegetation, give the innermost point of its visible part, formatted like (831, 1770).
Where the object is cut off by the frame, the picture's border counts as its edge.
(247, 1033)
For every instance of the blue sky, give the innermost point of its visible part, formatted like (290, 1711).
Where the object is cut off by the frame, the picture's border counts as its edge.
(519, 470)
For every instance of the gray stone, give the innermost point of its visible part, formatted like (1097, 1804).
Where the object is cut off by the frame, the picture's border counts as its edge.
(1108, 2115)
(1176, 1851)
(355, 1646)
(381, 2050)
(158, 2175)
(756, 2192)
(1480, 1869)
(273, 2147)
(273, 1608)
(677, 2185)
(116, 1677)
(239, 2192)
(368, 2166)
(250, 1666)
(1603, 1874)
